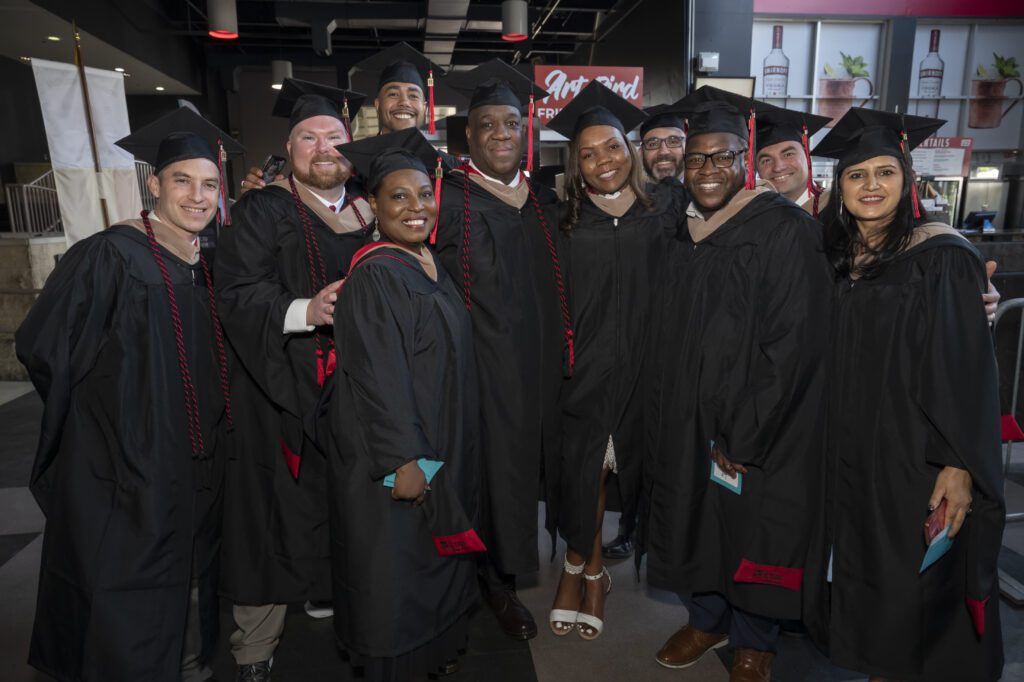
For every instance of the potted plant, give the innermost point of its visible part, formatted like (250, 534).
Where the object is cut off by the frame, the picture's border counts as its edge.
(988, 92)
(835, 90)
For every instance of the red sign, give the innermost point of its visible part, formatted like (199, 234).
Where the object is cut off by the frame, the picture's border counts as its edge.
(943, 157)
(565, 82)
(888, 8)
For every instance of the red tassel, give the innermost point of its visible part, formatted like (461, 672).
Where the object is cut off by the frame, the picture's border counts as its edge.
(438, 174)
(686, 127)
(910, 169)
(432, 126)
(223, 214)
(529, 139)
(572, 350)
(321, 375)
(291, 459)
(813, 190)
(751, 182)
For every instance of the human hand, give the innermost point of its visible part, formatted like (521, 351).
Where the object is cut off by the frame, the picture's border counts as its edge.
(725, 465)
(254, 179)
(410, 483)
(991, 296)
(320, 310)
(954, 485)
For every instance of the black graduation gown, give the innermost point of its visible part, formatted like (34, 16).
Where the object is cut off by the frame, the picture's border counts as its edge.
(913, 388)
(519, 342)
(276, 546)
(405, 389)
(613, 266)
(126, 503)
(740, 360)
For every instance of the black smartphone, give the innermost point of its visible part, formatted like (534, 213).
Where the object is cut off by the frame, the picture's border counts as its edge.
(272, 167)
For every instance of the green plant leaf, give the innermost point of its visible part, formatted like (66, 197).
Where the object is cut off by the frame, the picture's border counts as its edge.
(855, 67)
(1006, 67)
(829, 71)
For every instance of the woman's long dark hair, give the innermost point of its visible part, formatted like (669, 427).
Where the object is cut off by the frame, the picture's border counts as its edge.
(575, 185)
(842, 238)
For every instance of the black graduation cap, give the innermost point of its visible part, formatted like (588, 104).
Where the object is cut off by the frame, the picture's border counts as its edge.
(300, 100)
(661, 116)
(863, 134)
(495, 82)
(374, 157)
(377, 156)
(785, 125)
(400, 63)
(177, 136)
(596, 105)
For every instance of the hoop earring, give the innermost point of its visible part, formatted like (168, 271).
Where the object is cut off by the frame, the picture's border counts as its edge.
(840, 207)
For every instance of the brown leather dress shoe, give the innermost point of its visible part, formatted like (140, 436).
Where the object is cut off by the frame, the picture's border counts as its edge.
(686, 647)
(751, 665)
(515, 620)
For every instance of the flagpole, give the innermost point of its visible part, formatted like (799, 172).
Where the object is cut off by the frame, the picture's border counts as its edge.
(88, 121)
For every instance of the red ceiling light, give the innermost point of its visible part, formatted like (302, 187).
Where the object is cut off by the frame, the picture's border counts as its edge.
(514, 20)
(223, 18)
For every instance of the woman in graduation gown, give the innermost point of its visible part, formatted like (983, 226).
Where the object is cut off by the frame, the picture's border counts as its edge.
(614, 231)
(404, 407)
(914, 427)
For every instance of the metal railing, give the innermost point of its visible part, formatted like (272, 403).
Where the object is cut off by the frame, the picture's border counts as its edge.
(1004, 308)
(33, 207)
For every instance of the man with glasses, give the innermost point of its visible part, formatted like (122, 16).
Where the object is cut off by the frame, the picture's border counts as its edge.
(662, 142)
(736, 402)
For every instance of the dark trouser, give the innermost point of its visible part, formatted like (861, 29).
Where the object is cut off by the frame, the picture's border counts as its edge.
(710, 612)
(193, 667)
(627, 524)
(492, 579)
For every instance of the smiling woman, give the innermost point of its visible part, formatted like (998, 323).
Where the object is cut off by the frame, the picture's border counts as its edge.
(403, 454)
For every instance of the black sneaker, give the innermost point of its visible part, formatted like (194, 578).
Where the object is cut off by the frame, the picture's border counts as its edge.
(619, 548)
(255, 672)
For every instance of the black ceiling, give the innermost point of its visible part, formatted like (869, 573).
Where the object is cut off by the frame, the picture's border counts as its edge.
(561, 27)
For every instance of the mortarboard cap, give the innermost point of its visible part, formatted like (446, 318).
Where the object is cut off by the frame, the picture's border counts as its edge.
(495, 82)
(785, 125)
(177, 136)
(596, 105)
(300, 100)
(400, 63)
(661, 116)
(374, 157)
(862, 134)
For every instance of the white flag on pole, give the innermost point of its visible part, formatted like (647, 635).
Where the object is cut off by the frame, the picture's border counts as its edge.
(79, 188)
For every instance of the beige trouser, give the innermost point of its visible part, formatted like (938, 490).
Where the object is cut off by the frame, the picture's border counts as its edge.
(259, 631)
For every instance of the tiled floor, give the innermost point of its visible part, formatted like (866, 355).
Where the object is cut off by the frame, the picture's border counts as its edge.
(638, 618)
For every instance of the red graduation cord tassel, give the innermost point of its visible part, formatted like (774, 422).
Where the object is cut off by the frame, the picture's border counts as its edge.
(529, 137)
(910, 169)
(813, 190)
(438, 174)
(223, 214)
(432, 126)
(750, 150)
(686, 127)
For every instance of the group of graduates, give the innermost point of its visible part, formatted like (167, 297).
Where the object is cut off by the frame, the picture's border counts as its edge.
(397, 353)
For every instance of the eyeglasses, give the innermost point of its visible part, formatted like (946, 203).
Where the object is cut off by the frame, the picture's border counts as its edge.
(724, 159)
(652, 144)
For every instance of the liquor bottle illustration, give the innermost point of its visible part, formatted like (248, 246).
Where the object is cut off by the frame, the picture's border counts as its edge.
(929, 79)
(776, 67)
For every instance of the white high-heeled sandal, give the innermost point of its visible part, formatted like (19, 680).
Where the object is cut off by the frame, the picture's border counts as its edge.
(585, 619)
(562, 621)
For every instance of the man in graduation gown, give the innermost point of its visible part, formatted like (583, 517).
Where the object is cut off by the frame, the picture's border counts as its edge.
(739, 389)
(404, 94)
(662, 143)
(783, 155)
(496, 239)
(279, 267)
(125, 349)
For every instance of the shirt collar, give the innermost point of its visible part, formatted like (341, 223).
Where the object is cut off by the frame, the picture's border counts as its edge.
(515, 181)
(334, 206)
